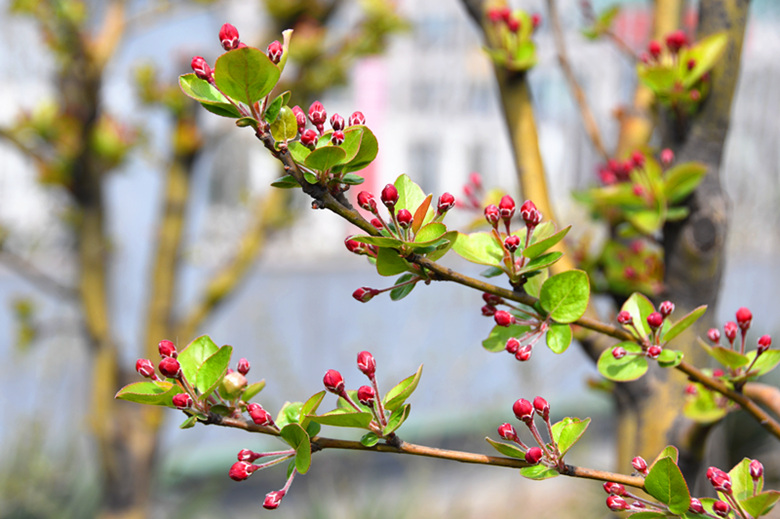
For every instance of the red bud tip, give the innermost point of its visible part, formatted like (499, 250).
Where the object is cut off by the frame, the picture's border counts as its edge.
(654, 49)
(667, 156)
(145, 368)
(618, 352)
(273, 500)
(247, 455)
(389, 196)
(446, 202)
(536, 20)
(654, 351)
(405, 218)
(228, 37)
(366, 395)
(366, 201)
(170, 367)
(337, 139)
(696, 506)
(259, 415)
(300, 118)
(503, 318)
(201, 68)
(167, 349)
(721, 508)
(377, 223)
(639, 464)
(524, 410)
(756, 469)
(337, 122)
(365, 294)
(720, 480)
(764, 342)
(488, 310)
(530, 214)
(317, 114)
(524, 352)
(492, 215)
(357, 119)
(533, 455)
(513, 24)
(624, 318)
(507, 432)
(353, 246)
(512, 243)
(182, 401)
(542, 407)
(655, 320)
(512, 345)
(690, 389)
(366, 363)
(309, 138)
(243, 366)
(333, 381)
(616, 503)
(637, 159)
(744, 318)
(491, 299)
(241, 470)
(614, 489)
(666, 308)
(730, 329)
(675, 41)
(275, 51)
(713, 334)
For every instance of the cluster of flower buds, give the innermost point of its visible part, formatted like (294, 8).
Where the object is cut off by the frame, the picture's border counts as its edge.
(245, 467)
(473, 191)
(674, 41)
(520, 347)
(367, 395)
(169, 367)
(503, 16)
(744, 318)
(651, 346)
(503, 213)
(318, 116)
(617, 171)
(525, 411)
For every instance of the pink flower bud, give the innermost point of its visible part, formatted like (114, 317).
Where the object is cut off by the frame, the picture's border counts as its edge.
(259, 415)
(615, 489)
(667, 156)
(243, 366)
(241, 470)
(675, 41)
(512, 243)
(513, 24)
(666, 308)
(524, 410)
(720, 480)
(167, 349)
(488, 310)
(655, 320)
(637, 159)
(228, 37)
(690, 389)
(503, 318)
(730, 329)
(744, 318)
(624, 318)
(639, 464)
(536, 20)
(337, 122)
(366, 395)
(619, 352)
(353, 246)
(764, 342)
(512, 345)
(309, 138)
(170, 367)
(506, 208)
(696, 506)
(533, 455)
(507, 432)
(365, 294)
(366, 201)
(377, 223)
(542, 407)
(491, 299)
(317, 114)
(357, 119)
(492, 215)
(366, 363)
(333, 381)
(405, 218)
(201, 68)
(691, 64)
(756, 469)
(530, 214)
(274, 51)
(616, 503)
(654, 351)
(721, 508)
(182, 401)
(446, 202)
(717, 372)
(524, 352)
(145, 368)
(337, 139)
(713, 334)
(247, 455)
(389, 196)
(273, 499)
(300, 118)
(654, 49)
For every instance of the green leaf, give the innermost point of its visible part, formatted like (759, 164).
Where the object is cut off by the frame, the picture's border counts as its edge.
(659, 79)
(639, 306)
(323, 159)
(410, 195)
(705, 54)
(539, 247)
(630, 367)
(343, 418)
(212, 370)
(400, 292)
(742, 485)
(507, 449)
(602, 23)
(648, 515)
(669, 358)
(448, 240)
(203, 92)
(646, 221)
(665, 482)
(397, 396)
(297, 438)
(285, 182)
(150, 393)
(680, 180)
(538, 472)
(568, 431)
(430, 232)
(703, 407)
(496, 341)
(310, 407)
(285, 126)
(298, 151)
(765, 363)
(390, 263)
(670, 451)
(684, 323)
(351, 145)
(397, 418)
(479, 247)
(541, 262)
(365, 155)
(369, 439)
(534, 284)
(379, 241)
(246, 75)
(352, 179)
(272, 111)
(558, 337)
(726, 356)
(252, 389)
(289, 413)
(194, 355)
(761, 504)
(189, 422)
(565, 296)
(421, 214)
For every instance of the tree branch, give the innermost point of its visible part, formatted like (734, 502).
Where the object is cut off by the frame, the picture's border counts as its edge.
(765, 394)
(37, 277)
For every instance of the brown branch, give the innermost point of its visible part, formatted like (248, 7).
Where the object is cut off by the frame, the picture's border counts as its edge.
(588, 120)
(37, 277)
(765, 394)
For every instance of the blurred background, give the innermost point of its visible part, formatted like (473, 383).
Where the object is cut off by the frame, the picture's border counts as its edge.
(418, 73)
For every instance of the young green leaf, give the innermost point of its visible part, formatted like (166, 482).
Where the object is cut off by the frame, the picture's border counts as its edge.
(194, 355)
(680, 180)
(400, 292)
(565, 296)
(289, 413)
(496, 341)
(285, 126)
(727, 357)
(365, 155)
(558, 337)
(323, 159)
(390, 263)
(189, 422)
(538, 472)
(665, 482)
(430, 233)
(343, 418)
(568, 431)
(310, 407)
(684, 323)
(285, 182)
(742, 485)
(760, 504)
(212, 370)
(541, 246)
(479, 247)
(702, 407)
(211, 98)
(704, 54)
(151, 393)
(369, 439)
(410, 195)
(397, 396)
(252, 389)
(507, 449)
(639, 306)
(765, 363)
(397, 418)
(246, 75)
(296, 437)
(670, 358)
(630, 367)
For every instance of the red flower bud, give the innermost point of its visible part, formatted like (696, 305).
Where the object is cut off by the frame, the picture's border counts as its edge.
(512, 345)
(145, 368)
(446, 202)
(690, 389)
(655, 320)
(333, 381)
(273, 499)
(654, 49)
(241, 470)
(756, 469)
(366, 363)
(637, 159)
(533, 455)
(654, 351)
(353, 246)
(405, 218)
(536, 20)
(259, 415)
(503, 318)
(713, 334)
(764, 342)
(675, 41)
(182, 401)
(616, 503)
(696, 506)
(717, 372)
(492, 215)
(721, 508)
(201, 68)
(366, 201)
(167, 349)
(513, 24)
(618, 352)
(639, 464)
(337, 139)
(228, 37)
(615, 489)
(524, 410)
(506, 208)
(488, 310)
(390, 196)
(744, 317)
(247, 455)
(317, 114)
(170, 367)
(667, 156)
(507, 432)
(491, 299)
(309, 138)
(524, 353)
(275, 51)
(542, 407)
(357, 118)
(243, 366)
(666, 308)
(512, 243)
(377, 223)
(366, 395)
(337, 122)
(530, 214)
(730, 329)
(365, 294)
(300, 118)
(720, 480)
(624, 318)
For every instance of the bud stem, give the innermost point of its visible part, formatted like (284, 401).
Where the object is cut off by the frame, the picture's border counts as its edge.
(380, 409)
